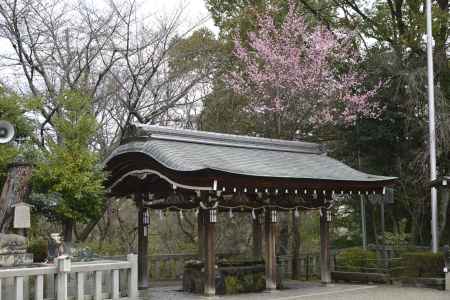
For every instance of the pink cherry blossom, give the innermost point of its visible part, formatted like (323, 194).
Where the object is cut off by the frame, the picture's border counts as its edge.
(302, 65)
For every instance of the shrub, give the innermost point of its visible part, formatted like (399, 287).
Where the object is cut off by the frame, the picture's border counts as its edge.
(232, 285)
(253, 282)
(422, 264)
(356, 260)
(39, 249)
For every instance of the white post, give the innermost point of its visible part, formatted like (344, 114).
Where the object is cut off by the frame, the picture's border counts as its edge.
(19, 287)
(133, 277)
(64, 265)
(39, 289)
(62, 286)
(432, 130)
(115, 285)
(80, 286)
(98, 285)
(50, 286)
(447, 281)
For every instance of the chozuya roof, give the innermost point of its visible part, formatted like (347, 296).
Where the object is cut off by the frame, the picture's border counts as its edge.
(183, 150)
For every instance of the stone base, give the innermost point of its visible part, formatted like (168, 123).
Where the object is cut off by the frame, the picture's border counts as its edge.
(231, 278)
(16, 259)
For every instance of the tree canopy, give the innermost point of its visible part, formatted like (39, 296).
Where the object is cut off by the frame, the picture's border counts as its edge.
(68, 181)
(12, 109)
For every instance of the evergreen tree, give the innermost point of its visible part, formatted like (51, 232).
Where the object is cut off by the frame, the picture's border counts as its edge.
(68, 181)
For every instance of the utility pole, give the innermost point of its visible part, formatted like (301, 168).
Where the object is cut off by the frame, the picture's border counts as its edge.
(432, 130)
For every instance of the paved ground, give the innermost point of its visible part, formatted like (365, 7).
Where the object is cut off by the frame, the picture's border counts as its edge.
(312, 291)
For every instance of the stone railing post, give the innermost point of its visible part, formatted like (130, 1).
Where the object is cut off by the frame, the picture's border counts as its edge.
(133, 277)
(446, 266)
(80, 286)
(63, 265)
(39, 287)
(19, 287)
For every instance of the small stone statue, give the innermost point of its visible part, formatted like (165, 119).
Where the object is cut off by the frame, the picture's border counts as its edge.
(55, 246)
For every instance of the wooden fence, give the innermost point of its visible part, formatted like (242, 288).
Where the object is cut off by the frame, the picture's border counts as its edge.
(79, 280)
(308, 266)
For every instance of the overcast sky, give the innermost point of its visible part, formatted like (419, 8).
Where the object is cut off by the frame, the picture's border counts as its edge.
(195, 11)
(194, 14)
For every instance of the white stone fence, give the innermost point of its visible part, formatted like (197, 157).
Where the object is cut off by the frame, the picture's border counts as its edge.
(65, 280)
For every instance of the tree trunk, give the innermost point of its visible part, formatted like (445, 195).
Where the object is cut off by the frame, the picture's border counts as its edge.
(15, 190)
(395, 226)
(441, 59)
(68, 236)
(84, 234)
(413, 239)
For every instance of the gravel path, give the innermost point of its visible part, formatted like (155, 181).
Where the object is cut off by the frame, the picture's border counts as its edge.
(312, 291)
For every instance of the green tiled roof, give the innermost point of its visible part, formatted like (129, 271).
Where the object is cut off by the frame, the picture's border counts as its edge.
(189, 150)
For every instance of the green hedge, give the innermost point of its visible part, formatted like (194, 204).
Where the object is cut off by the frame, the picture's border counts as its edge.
(422, 264)
(244, 283)
(39, 248)
(356, 260)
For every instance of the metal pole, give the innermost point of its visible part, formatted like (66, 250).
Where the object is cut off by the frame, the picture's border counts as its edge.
(363, 223)
(432, 130)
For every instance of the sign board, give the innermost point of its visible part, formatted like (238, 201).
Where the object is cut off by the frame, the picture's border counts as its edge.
(22, 216)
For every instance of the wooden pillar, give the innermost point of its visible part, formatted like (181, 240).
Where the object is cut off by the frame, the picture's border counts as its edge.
(143, 226)
(201, 234)
(295, 244)
(257, 235)
(271, 220)
(325, 275)
(210, 252)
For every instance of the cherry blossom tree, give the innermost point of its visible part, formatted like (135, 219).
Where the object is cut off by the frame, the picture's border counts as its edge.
(306, 74)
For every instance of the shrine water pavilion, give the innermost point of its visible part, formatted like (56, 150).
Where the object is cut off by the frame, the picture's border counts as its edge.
(174, 169)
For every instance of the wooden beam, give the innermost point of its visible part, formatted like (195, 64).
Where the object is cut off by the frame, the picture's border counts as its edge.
(271, 220)
(143, 226)
(257, 235)
(325, 275)
(210, 252)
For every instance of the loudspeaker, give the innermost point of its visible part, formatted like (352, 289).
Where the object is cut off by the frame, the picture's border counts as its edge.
(6, 132)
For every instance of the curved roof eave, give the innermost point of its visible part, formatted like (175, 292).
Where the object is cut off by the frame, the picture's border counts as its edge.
(180, 162)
